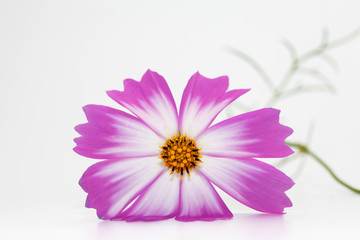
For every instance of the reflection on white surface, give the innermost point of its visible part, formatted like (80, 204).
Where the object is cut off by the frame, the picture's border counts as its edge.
(311, 218)
(242, 226)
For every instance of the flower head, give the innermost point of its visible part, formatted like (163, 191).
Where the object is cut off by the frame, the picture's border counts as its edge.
(166, 164)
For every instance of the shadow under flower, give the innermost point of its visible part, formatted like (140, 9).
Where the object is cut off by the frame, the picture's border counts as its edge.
(242, 226)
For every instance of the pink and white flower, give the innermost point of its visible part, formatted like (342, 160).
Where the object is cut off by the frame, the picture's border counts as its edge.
(166, 164)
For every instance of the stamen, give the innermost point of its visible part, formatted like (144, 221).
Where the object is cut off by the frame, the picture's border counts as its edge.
(180, 154)
(172, 170)
(187, 170)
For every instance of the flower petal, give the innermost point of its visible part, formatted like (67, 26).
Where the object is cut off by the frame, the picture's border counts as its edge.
(256, 184)
(254, 134)
(152, 101)
(113, 134)
(203, 99)
(200, 201)
(113, 184)
(159, 201)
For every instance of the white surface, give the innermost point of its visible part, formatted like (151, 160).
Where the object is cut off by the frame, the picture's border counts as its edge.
(56, 56)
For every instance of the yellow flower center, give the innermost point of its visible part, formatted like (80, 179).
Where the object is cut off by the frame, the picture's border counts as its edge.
(180, 154)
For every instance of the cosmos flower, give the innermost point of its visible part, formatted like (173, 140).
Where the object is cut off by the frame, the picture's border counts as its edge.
(159, 164)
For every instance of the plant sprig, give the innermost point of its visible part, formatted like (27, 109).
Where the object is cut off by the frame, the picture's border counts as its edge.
(297, 68)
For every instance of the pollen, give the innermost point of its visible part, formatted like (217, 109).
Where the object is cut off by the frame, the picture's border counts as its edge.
(180, 154)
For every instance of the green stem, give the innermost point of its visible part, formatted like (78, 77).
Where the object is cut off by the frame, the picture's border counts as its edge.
(254, 64)
(296, 63)
(306, 150)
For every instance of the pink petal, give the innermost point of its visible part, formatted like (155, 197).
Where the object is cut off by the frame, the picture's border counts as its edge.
(203, 99)
(113, 134)
(200, 201)
(113, 184)
(256, 184)
(254, 134)
(151, 100)
(159, 201)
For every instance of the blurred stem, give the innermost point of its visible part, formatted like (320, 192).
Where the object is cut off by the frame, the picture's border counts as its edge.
(254, 64)
(296, 67)
(304, 149)
(318, 51)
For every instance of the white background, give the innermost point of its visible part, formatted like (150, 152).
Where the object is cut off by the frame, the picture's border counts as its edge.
(57, 56)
